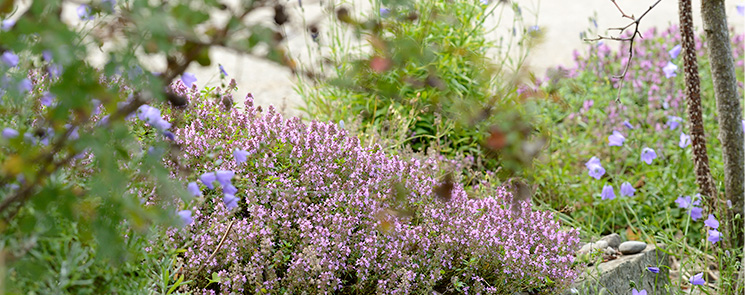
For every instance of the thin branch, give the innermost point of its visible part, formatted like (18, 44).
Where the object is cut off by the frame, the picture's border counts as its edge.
(622, 13)
(222, 240)
(635, 22)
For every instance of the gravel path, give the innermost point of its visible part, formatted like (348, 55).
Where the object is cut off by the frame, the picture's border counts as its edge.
(560, 21)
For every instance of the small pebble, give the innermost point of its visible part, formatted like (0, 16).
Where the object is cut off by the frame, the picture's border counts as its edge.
(614, 240)
(587, 248)
(632, 247)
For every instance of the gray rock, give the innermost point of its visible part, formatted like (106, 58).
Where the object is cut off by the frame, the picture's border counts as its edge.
(610, 251)
(632, 247)
(589, 247)
(614, 240)
(613, 277)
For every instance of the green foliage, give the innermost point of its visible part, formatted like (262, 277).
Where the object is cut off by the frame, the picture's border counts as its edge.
(82, 188)
(579, 102)
(424, 78)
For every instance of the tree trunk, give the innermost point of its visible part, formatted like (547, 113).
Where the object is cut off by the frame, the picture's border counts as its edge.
(728, 109)
(693, 101)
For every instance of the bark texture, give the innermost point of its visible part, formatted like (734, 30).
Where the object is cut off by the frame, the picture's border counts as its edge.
(728, 106)
(693, 101)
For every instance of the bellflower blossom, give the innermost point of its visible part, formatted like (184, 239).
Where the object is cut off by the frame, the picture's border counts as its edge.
(194, 189)
(714, 236)
(627, 189)
(47, 99)
(229, 189)
(152, 116)
(185, 216)
(697, 279)
(636, 292)
(685, 140)
(648, 155)
(222, 70)
(696, 213)
(25, 85)
(224, 177)
(673, 122)
(675, 51)
(653, 269)
(616, 139)
(230, 201)
(595, 169)
(685, 202)
(10, 59)
(608, 193)
(240, 155)
(189, 79)
(740, 9)
(84, 12)
(7, 24)
(9, 133)
(208, 178)
(670, 70)
(628, 125)
(712, 222)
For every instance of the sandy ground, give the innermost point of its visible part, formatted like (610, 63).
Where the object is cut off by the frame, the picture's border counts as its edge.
(561, 22)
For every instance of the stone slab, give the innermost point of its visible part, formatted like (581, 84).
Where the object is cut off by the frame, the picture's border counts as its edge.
(617, 276)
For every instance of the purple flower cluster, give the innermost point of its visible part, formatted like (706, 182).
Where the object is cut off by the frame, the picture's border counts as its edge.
(324, 214)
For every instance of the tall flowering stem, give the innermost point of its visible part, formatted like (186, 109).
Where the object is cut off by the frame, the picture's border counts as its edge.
(693, 98)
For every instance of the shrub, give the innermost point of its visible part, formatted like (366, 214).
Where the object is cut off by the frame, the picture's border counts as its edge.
(427, 80)
(319, 213)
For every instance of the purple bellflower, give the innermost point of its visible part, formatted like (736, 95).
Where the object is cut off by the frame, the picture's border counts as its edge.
(685, 140)
(224, 177)
(84, 12)
(697, 279)
(185, 216)
(240, 155)
(208, 178)
(648, 155)
(10, 59)
(673, 122)
(595, 169)
(616, 139)
(628, 125)
(670, 70)
(714, 236)
(608, 193)
(675, 51)
(194, 189)
(189, 79)
(9, 133)
(230, 201)
(627, 189)
(712, 222)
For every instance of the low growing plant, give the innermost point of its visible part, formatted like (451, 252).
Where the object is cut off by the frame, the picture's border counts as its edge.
(287, 207)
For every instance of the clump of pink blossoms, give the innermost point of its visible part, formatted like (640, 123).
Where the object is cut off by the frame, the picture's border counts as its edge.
(319, 213)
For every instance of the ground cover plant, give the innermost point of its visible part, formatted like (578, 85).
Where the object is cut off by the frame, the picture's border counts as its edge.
(306, 208)
(632, 173)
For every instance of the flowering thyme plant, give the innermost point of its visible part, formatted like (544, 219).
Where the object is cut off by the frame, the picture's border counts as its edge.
(318, 213)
